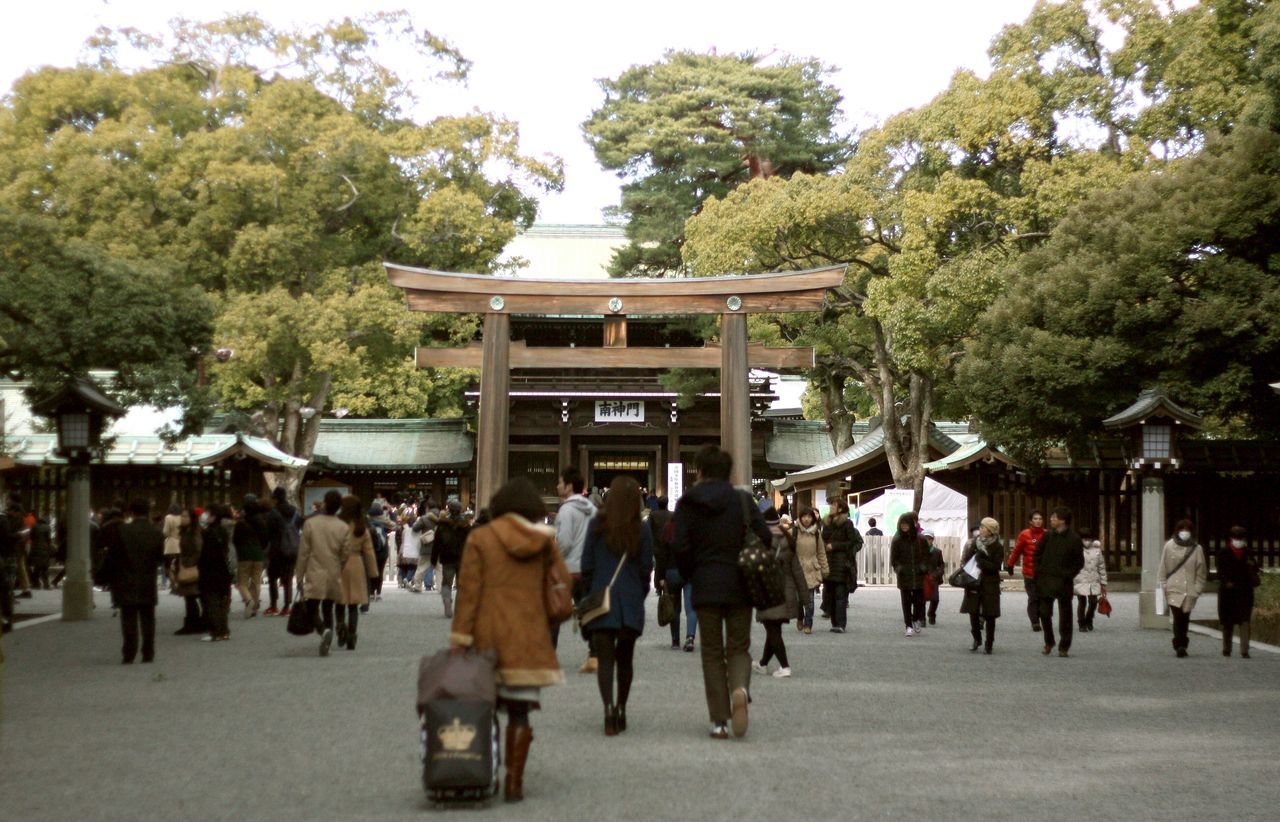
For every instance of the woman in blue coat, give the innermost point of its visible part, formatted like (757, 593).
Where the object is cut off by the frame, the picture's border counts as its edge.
(616, 536)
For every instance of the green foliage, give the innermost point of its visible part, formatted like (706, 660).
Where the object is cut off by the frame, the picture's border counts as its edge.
(1170, 279)
(693, 126)
(276, 169)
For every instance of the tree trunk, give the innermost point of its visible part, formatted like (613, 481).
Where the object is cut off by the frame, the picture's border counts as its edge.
(839, 418)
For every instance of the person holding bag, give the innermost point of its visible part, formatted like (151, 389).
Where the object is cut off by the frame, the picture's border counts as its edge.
(1237, 577)
(1090, 584)
(186, 577)
(501, 606)
(1182, 574)
(982, 600)
(774, 618)
(217, 572)
(360, 566)
(805, 537)
(617, 560)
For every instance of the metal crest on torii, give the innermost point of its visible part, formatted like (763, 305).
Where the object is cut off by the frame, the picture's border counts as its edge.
(497, 298)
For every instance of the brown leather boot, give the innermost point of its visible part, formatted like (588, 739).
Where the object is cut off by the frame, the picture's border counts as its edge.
(519, 737)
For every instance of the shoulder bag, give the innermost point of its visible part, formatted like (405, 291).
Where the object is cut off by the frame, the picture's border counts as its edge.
(759, 566)
(666, 608)
(300, 621)
(597, 604)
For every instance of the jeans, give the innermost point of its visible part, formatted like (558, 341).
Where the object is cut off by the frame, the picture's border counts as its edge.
(130, 618)
(934, 601)
(806, 600)
(447, 575)
(1064, 620)
(675, 587)
(726, 655)
(1033, 601)
(690, 615)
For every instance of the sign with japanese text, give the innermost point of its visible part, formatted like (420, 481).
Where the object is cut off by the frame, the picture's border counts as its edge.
(675, 483)
(619, 411)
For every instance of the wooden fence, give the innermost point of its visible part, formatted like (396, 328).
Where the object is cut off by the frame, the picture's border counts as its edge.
(873, 559)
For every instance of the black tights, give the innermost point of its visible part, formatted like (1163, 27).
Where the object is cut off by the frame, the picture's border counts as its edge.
(614, 647)
(773, 644)
(321, 609)
(517, 712)
(912, 605)
(352, 616)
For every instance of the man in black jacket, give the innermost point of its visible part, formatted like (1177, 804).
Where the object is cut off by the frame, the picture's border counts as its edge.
(1058, 559)
(135, 551)
(446, 550)
(710, 522)
(666, 576)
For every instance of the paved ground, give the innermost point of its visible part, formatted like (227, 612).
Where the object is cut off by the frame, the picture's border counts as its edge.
(872, 725)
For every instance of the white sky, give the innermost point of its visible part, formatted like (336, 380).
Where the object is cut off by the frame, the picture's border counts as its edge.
(537, 62)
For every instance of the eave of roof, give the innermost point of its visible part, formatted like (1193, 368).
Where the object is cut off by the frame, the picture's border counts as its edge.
(1152, 402)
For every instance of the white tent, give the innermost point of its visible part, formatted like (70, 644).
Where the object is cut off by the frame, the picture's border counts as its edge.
(943, 511)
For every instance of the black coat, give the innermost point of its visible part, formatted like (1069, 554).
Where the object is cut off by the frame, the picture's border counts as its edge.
(134, 554)
(708, 538)
(451, 538)
(663, 559)
(1059, 557)
(984, 598)
(909, 558)
(793, 580)
(215, 576)
(844, 542)
(1235, 586)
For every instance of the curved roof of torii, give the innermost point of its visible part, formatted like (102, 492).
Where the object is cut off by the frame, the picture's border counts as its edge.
(443, 291)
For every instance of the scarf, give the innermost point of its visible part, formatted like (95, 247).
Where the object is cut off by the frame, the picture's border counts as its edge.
(984, 543)
(1188, 544)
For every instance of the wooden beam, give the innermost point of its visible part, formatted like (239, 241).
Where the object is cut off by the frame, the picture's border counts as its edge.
(735, 397)
(615, 331)
(669, 305)
(708, 356)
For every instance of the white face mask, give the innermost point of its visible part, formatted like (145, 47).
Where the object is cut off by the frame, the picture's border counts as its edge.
(1237, 543)
(204, 520)
(1185, 536)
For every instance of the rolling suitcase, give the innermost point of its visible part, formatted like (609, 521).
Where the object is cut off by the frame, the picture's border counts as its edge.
(458, 727)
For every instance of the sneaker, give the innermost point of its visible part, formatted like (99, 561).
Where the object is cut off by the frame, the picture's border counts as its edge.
(248, 610)
(272, 611)
(782, 673)
(208, 638)
(590, 666)
(675, 646)
(758, 668)
(739, 712)
(719, 731)
(688, 644)
(326, 639)
(911, 632)
(837, 630)
(284, 611)
(808, 629)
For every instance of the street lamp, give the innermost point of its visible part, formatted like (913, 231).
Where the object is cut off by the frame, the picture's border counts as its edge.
(79, 410)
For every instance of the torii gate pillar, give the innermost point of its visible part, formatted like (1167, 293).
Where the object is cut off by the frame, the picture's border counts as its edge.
(735, 396)
(495, 407)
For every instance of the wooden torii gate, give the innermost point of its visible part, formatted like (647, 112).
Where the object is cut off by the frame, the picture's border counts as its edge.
(497, 298)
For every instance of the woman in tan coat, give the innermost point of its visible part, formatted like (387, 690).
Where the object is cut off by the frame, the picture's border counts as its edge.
(360, 566)
(322, 552)
(172, 530)
(500, 606)
(805, 536)
(1182, 574)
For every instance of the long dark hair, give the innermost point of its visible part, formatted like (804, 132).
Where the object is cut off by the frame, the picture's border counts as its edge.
(620, 519)
(518, 496)
(192, 528)
(352, 513)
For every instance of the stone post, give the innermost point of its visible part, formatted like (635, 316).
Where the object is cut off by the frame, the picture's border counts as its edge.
(1152, 546)
(77, 588)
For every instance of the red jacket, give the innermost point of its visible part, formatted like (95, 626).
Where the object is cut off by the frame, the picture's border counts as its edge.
(1025, 548)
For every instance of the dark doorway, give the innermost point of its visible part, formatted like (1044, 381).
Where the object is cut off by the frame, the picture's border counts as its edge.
(604, 467)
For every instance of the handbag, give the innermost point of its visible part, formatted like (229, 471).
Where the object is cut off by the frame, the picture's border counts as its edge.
(557, 591)
(597, 604)
(300, 622)
(188, 574)
(1104, 606)
(967, 575)
(666, 609)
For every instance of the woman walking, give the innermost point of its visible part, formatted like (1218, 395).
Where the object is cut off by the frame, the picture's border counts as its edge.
(322, 553)
(215, 572)
(1237, 577)
(359, 566)
(172, 530)
(1182, 574)
(909, 558)
(1090, 583)
(617, 537)
(774, 618)
(501, 607)
(410, 548)
(806, 541)
(982, 601)
(190, 544)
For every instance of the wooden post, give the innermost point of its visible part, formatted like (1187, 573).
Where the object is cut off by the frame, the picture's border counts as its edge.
(495, 388)
(735, 396)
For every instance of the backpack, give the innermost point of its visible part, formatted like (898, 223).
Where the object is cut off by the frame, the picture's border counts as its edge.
(292, 536)
(759, 566)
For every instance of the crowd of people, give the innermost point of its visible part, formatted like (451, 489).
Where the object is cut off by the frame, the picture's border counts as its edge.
(614, 544)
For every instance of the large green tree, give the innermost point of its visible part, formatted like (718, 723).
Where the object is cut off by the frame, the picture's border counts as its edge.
(276, 169)
(693, 126)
